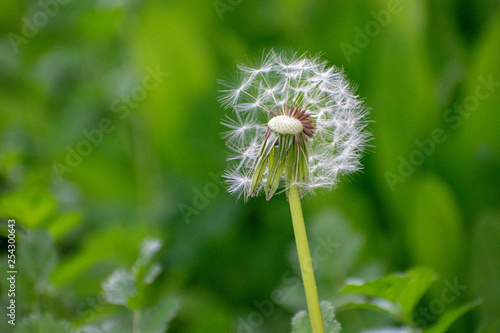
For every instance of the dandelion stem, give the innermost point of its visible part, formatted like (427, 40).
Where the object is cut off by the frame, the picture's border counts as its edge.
(305, 261)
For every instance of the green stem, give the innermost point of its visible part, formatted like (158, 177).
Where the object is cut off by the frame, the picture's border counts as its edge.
(305, 261)
(135, 320)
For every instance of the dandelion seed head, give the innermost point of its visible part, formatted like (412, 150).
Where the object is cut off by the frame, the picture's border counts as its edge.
(304, 98)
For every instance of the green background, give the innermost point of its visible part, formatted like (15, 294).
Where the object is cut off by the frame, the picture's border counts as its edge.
(149, 156)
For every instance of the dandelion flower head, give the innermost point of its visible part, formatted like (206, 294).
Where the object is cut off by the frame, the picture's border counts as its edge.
(294, 121)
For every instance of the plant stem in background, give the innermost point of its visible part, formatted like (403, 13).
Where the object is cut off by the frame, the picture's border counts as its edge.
(306, 268)
(135, 321)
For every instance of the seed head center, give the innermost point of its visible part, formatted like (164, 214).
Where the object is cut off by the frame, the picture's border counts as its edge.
(285, 125)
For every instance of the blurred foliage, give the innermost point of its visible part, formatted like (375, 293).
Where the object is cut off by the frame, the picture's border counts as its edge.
(109, 134)
(301, 323)
(399, 294)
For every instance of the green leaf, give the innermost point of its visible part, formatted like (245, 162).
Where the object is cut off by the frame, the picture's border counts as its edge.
(450, 316)
(39, 258)
(301, 323)
(377, 304)
(109, 325)
(406, 289)
(30, 207)
(410, 77)
(119, 287)
(142, 268)
(475, 144)
(435, 232)
(62, 224)
(485, 267)
(104, 246)
(156, 319)
(43, 324)
(152, 273)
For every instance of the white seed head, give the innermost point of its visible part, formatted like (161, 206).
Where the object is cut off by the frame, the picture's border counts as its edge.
(285, 125)
(259, 98)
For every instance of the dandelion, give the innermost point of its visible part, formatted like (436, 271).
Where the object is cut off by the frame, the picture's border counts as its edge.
(296, 126)
(310, 125)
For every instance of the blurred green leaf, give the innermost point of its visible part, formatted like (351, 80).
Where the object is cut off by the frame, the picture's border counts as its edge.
(485, 265)
(143, 271)
(43, 323)
(208, 315)
(377, 304)
(156, 319)
(30, 207)
(302, 324)
(37, 259)
(471, 160)
(449, 317)
(435, 232)
(188, 59)
(62, 224)
(104, 247)
(119, 287)
(110, 325)
(406, 289)
(401, 92)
